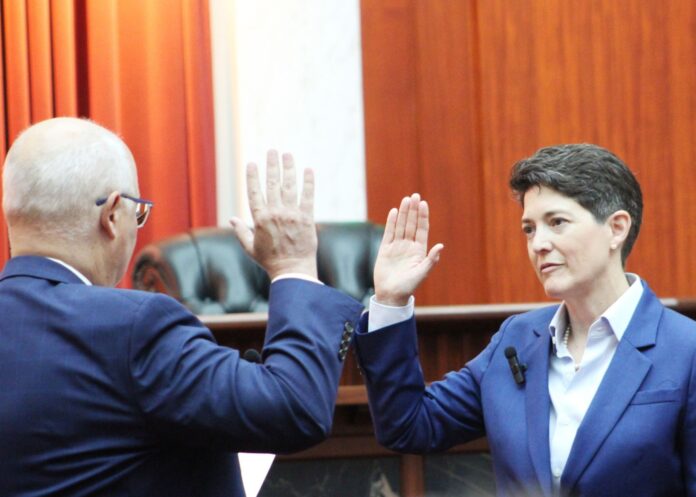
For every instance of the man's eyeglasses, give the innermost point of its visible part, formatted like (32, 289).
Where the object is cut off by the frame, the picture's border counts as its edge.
(142, 210)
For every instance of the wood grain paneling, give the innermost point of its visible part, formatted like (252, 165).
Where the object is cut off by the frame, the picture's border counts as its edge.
(447, 99)
(422, 129)
(390, 99)
(583, 72)
(496, 80)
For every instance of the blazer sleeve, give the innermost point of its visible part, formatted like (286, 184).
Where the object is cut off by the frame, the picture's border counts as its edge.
(408, 417)
(193, 391)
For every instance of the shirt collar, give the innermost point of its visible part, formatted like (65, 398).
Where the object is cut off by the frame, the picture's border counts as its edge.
(77, 273)
(617, 316)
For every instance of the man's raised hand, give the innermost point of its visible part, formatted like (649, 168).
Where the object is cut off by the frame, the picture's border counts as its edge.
(284, 239)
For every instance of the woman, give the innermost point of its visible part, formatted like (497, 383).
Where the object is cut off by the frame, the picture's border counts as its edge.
(607, 404)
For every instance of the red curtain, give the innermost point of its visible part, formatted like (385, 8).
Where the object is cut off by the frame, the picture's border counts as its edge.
(142, 69)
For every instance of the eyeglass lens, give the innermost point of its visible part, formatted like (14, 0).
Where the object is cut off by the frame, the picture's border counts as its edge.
(141, 213)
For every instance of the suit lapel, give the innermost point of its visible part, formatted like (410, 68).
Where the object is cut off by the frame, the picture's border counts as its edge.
(536, 356)
(624, 376)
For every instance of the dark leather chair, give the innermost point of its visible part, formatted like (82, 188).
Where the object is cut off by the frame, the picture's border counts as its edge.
(207, 270)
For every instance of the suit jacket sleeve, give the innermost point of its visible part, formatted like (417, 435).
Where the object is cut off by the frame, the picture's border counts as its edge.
(409, 417)
(192, 390)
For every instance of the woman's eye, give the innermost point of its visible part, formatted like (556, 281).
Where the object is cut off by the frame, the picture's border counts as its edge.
(557, 221)
(527, 230)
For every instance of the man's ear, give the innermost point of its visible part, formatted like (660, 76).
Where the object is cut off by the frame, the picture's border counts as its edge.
(620, 224)
(108, 214)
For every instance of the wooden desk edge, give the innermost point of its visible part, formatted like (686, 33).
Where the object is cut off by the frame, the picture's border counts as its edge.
(252, 321)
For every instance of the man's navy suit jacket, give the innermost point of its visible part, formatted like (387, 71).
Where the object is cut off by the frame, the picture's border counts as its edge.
(124, 393)
(638, 438)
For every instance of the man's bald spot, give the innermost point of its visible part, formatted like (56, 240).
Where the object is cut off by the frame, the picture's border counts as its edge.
(56, 169)
(57, 136)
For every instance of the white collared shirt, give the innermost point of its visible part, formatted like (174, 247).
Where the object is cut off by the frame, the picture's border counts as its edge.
(572, 391)
(280, 277)
(82, 277)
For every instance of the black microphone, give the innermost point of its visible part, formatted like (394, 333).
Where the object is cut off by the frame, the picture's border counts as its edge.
(516, 368)
(252, 355)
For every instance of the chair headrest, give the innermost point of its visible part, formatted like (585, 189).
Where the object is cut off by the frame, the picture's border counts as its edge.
(207, 270)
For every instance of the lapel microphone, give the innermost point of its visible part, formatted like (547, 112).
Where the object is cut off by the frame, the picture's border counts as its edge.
(516, 368)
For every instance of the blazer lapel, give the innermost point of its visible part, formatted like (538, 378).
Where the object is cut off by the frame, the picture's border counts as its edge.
(624, 376)
(536, 356)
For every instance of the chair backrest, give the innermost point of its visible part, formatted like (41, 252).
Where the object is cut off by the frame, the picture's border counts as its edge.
(207, 270)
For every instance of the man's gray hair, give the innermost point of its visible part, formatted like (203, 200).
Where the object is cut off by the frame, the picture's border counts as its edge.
(57, 169)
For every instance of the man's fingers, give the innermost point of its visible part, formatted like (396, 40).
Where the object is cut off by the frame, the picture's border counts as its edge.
(390, 226)
(307, 198)
(273, 178)
(412, 217)
(256, 201)
(400, 227)
(289, 190)
(244, 235)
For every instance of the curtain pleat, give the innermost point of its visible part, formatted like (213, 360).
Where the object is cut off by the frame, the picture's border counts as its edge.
(16, 51)
(199, 111)
(39, 56)
(142, 69)
(64, 57)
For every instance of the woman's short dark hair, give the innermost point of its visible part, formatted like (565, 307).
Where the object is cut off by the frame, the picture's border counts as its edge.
(592, 176)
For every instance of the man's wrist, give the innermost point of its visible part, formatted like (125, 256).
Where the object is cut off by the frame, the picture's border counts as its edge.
(306, 267)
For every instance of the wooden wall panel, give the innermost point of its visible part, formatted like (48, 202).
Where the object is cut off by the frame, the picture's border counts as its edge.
(681, 112)
(527, 74)
(422, 128)
(447, 99)
(390, 100)
(580, 71)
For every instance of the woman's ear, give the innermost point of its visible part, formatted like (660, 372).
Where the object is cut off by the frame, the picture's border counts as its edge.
(620, 225)
(107, 216)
